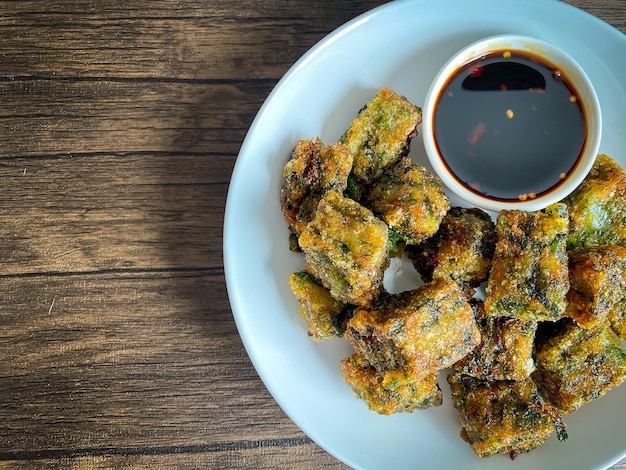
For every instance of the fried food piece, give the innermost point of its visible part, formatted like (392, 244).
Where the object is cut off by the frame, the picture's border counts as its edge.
(326, 317)
(597, 208)
(345, 247)
(419, 331)
(505, 351)
(397, 244)
(598, 283)
(617, 320)
(529, 274)
(461, 250)
(392, 391)
(313, 169)
(410, 200)
(575, 365)
(381, 134)
(502, 417)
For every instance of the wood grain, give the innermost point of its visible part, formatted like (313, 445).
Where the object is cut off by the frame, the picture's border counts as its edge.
(55, 117)
(97, 364)
(299, 454)
(119, 129)
(153, 211)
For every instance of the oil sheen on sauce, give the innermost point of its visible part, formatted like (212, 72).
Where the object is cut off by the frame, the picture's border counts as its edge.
(509, 126)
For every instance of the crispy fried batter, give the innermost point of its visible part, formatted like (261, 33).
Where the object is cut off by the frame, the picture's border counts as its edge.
(597, 208)
(410, 200)
(505, 351)
(345, 247)
(461, 250)
(352, 205)
(392, 391)
(502, 417)
(326, 317)
(598, 284)
(419, 331)
(575, 365)
(313, 169)
(381, 134)
(617, 320)
(529, 275)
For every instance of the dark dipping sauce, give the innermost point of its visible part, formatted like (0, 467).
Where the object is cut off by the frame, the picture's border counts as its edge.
(509, 126)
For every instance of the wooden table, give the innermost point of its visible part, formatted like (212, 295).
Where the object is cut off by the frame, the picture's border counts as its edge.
(120, 125)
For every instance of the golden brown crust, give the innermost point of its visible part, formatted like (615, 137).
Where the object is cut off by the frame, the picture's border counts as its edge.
(575, 365)
(410, 200)
(381, 134)
(529, 275)
(597, 208)
(326, 317)
(617, 319)
(345, 247)
(598, 284)
(500, 417)
(313, 169)
(461, 250)
(419, 331)
(505, 351)
(391, 391)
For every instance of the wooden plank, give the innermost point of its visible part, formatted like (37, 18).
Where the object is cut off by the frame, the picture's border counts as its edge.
(260, 456)
(70, 117)
(80, 213)
(183, 39)
(126, 361)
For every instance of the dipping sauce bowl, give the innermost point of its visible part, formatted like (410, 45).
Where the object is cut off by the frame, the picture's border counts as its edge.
(511, 122)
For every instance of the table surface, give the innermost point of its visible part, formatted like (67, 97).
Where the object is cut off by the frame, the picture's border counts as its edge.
(120, 126)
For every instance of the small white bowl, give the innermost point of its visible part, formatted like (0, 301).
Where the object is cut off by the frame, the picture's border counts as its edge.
(576, 78)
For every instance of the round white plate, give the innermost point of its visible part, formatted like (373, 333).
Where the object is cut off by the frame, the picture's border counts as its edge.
(400, 45)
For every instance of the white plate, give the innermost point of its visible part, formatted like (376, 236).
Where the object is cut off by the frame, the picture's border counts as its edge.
(400, 45)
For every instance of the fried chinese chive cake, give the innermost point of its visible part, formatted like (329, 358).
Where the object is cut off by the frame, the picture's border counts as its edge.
(598, 284)
(575, 365)
(346, 248)
(503, 417)
(529, 274)
(410, 200)
(313, 169)
(461, 249)
(505, 351)
(381, 134)
(597, 208)
(419, 331)
(326, 317)
(617, 320)
(392, 391)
